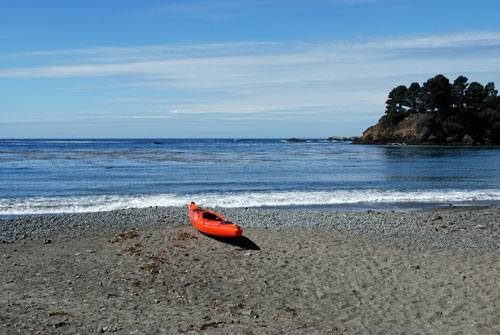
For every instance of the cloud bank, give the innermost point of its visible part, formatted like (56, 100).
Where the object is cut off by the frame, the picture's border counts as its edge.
(348, 80)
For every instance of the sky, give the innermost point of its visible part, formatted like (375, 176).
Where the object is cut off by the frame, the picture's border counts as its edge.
(229, 68)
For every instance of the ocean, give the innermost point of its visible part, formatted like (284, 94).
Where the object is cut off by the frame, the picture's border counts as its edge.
(69, 176)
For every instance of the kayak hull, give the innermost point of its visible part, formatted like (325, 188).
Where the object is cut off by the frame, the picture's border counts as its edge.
(212, 223)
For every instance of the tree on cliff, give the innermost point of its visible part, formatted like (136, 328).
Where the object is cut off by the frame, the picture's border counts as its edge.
(474, 97)
(412, 98)
(436, 95)
(454, 113)
(492, 99)
(458, 92)
(396, 103)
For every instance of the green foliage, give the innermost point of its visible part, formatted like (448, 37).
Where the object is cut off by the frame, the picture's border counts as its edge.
(458, 92)
(474, 97)
(395, 104)
(459, 110)
(436, 95)
(412, 99)
(490, 90)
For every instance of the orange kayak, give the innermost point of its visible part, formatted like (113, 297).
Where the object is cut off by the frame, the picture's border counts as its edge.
(212, 223)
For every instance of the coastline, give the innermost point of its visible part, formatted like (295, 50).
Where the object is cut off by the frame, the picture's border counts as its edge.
(294, 271)
(447, 227)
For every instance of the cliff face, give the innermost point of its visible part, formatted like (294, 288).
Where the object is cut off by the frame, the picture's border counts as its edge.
(419, 128)
(414, 129)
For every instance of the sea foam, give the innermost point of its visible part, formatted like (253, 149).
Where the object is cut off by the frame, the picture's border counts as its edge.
(97, 203)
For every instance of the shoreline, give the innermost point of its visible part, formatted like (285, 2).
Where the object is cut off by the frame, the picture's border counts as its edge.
(454, 227)
(396, 206)
(149, 271)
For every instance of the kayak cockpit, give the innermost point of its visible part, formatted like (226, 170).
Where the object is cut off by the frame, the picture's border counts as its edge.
(211, 216)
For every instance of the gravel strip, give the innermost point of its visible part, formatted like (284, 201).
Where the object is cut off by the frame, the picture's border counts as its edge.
(450, 228)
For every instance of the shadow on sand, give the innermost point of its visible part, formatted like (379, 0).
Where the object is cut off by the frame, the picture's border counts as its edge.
(242, 241)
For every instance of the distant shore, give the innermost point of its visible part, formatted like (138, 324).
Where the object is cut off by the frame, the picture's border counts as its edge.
(148, 270)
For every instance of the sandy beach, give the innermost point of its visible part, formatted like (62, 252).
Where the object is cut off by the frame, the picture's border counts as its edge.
(158, 275)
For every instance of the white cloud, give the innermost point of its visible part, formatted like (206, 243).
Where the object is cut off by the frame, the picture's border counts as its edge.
(463, 39)
(106, 55)
(248, 118)
(151, 52)
(253, 80)
(256, 63)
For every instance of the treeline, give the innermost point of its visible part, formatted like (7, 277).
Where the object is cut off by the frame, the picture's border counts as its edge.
(453, 110)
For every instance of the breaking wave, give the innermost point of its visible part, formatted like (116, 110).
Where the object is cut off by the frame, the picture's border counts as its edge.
(97, 203)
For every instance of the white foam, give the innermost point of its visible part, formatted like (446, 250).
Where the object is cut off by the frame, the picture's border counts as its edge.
(45, 205)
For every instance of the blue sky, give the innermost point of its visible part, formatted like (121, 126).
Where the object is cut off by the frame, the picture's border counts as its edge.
(228, 68)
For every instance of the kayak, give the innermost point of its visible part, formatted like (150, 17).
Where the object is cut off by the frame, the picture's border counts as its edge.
(212, 223)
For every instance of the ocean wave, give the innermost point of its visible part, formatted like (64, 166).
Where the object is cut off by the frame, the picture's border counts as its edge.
(79, 204)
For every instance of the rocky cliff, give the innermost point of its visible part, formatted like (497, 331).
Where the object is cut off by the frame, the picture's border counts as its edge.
(439, 112)
(424, 129)
(414, 129)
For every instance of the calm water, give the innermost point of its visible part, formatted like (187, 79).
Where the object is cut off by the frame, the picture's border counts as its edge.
(60, 176)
